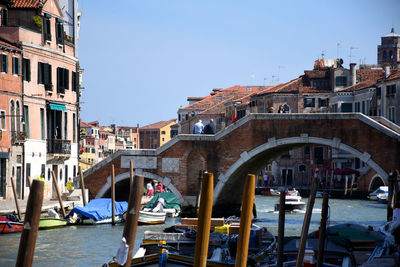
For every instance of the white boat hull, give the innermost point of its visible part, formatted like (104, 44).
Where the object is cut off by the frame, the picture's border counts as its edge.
(147, 217)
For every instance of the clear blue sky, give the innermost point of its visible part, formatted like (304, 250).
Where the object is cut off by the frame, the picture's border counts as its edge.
(142, 59)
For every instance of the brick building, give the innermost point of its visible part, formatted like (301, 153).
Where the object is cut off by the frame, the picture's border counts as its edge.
(156, 134)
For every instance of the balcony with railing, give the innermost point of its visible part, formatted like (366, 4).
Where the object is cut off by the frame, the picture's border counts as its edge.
(17, 137)
(58, 149)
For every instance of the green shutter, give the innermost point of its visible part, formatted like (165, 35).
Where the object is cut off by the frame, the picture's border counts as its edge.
(18, 66)
(6, 60)
(66, 79)
(40, 71)
(28, 70)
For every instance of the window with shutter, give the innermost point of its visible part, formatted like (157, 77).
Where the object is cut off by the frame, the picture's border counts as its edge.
(4, 63)
(59, 32)
(26, 69)
(4, 17)
(46, 29)
(66, 79)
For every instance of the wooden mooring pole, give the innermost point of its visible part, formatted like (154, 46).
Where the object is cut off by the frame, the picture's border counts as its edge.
(112, 195)
(135, 198)
(15, 197)
(132, 176)
(31, 225)
(322, 229)
(306, 223)
(281, 228)
(58, 194)
(245, 221)
(82, 187)
(204, 220)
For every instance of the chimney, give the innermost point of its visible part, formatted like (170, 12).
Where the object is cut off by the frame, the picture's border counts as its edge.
(353, 73)
(387, 71)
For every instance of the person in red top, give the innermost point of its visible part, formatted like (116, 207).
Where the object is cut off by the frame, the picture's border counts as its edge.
(159, 187)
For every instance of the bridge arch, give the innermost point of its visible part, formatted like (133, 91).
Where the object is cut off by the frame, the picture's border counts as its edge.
(277, 145)
(375, 182)
(166, 181)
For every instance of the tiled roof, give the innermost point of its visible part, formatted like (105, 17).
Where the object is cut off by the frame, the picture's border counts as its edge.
(317, 74)
(85, 125)
(221, 96)
(157, 125)
(26, 3)
(370, 74)
(393, 76)
(358, 86)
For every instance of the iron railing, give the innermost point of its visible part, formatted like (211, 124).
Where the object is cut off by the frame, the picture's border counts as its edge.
(58, 146)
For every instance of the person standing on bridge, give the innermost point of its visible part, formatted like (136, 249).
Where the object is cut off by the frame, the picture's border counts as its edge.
(198, 127)
(149, 190)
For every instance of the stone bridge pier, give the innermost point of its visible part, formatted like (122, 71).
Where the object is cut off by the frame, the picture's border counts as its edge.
(245, 147)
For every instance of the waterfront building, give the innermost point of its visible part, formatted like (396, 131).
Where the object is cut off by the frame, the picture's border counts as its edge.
(11, 122)
(156, 134)
(106, 142)
(50, 88)
(388, 96)
(128, 136)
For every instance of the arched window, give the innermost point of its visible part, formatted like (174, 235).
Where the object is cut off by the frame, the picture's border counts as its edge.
(384, 55)
(287, 108)
(390, 54)
(12, 116)
(18, 117)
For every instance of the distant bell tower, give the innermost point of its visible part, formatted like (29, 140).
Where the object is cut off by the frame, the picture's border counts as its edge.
(389, 50)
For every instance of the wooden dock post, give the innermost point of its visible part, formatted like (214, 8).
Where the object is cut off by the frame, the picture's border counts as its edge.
(281, 228)
(322, 229)
(135, 198)
(245, 221)
(306, 223)
(82, 187)
(15, 197)
(31, 225)
(204, 220)
(58, 194)
(112, 195)
(132, 176)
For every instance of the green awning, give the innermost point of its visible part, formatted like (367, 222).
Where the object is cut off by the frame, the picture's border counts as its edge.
(57, 107)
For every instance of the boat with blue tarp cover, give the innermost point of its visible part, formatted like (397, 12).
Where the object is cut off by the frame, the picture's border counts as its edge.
(97, 211)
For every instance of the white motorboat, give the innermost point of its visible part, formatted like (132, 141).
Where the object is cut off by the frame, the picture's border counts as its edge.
(292, 201)
(381, 190)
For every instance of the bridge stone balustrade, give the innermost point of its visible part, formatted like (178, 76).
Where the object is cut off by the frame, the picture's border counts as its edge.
(244, 147)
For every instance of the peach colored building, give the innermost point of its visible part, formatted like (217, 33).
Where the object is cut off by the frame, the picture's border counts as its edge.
(50, 88)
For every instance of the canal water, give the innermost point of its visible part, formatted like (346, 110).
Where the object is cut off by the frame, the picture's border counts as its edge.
(96, 245)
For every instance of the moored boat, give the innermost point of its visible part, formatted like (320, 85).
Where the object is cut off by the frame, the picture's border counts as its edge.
(148, 217)
(50, 223)
(162, 205)
(8, 226)
(379, 190)
(97, 211)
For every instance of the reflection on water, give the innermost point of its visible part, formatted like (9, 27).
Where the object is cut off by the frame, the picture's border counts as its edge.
(96, 245)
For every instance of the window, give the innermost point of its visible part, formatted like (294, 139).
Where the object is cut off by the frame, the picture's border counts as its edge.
(16, 67)
(309, 102)
(307, 150)
(73, 128)
(341, 81)
(378, 93)
(59, 31)
(346, 107)
(186, 116)
(3, 119)
(26, 118)
(44, 75)
(62, 80)
(47, 27)
(12, 113)
(163, 139)
(4, 17)
(357, 107)
(65, 125)
(323, 102)
(390, 90)
(93, 151)
(26, 69)
(18, 116)
(384, 55)
(390, 54)
(302, 168)
(363, 107)
(162, 132)
(66, 174)
(74, 173)
(319, 155)
(75, 81)
(4, 63)
(42, 126)
(392, 114)
(43, 169)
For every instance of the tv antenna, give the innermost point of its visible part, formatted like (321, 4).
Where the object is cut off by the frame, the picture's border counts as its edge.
(279, 71)
(351, 52)
(338, 46)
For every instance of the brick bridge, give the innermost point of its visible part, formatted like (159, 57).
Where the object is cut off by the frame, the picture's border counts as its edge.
(245, 147)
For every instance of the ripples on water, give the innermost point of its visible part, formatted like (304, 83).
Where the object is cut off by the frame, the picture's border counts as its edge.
(95, 245)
